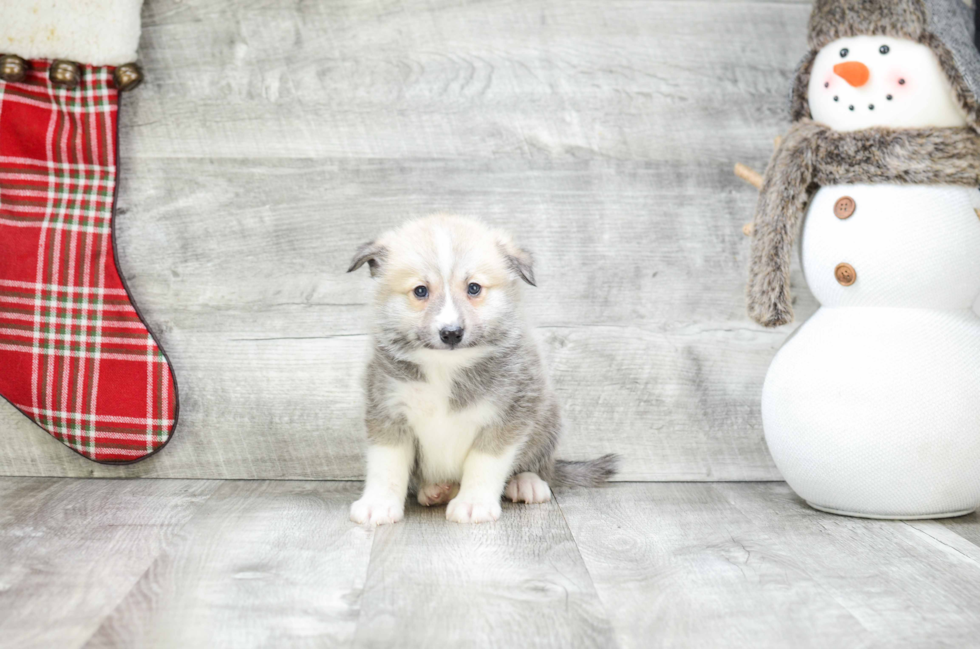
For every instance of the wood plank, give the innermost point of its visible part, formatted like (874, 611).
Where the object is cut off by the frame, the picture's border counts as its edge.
(751, 564)
(73, 548)
(519, 582)
(263, 564)
(966, 526)
(269, 354)
(947, 541)
(906, 587)
(203, 563)
(463, 78)
(271, 138)
(677, 565)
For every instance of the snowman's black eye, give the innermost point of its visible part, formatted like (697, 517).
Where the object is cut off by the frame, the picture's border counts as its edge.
(884, 49)
(844, 52)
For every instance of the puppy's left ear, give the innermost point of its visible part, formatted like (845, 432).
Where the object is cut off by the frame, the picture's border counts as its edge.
(373, 254)
(519, 260)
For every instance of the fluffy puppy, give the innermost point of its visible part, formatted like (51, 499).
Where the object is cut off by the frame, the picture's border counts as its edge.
(458, 406)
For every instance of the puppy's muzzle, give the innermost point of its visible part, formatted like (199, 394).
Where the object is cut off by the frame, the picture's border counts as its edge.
(451, 336)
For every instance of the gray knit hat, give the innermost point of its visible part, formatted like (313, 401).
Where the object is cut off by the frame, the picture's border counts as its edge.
(946, 26)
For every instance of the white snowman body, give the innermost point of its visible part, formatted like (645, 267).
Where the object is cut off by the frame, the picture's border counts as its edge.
(872, 407)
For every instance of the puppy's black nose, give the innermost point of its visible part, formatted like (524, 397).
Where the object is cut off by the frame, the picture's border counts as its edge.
(451, 335)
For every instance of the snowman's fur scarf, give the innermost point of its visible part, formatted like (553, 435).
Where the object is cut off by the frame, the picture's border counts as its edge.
(908, 19)
(813, 155)
(497, 370)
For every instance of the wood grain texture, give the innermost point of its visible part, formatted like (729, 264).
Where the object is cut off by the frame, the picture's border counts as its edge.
(966, 526)
(519, 582)
(679, 565)
(264, 564)
(72, 549)
(271, 138)
(906, 587)
(174, 563)
(751, 565)
(465, 79)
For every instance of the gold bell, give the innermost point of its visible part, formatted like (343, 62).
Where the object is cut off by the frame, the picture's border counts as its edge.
(12, 68)
(127, 76)
(65, 74)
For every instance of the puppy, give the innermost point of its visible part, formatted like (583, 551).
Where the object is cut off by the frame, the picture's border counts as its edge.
(458, 406)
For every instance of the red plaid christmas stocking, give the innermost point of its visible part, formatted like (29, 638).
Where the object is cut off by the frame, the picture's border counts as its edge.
(75, 355)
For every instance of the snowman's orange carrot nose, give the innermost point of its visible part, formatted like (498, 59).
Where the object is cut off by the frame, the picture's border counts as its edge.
(856, 74)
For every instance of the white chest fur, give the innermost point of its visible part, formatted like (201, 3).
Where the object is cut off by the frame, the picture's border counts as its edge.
(911, 246)
(445, 435)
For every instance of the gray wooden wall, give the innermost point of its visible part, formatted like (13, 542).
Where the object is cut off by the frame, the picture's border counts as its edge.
(274, 136)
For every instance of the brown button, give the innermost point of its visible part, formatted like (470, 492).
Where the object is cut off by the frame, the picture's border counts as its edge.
(844, 209)
(12, 68)
(127, 76)
(845, 274)
(65, 74)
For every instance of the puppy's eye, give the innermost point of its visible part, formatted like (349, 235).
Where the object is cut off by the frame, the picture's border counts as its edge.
(884, 49)
(474, 289)
(421, 292)
(844, 52)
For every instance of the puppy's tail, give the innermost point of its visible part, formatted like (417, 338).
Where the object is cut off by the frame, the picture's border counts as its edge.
(590, 473)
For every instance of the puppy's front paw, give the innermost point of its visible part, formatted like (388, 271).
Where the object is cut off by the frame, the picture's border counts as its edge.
(377, 511)
(473, 509)
(437, 494)
(528, 488)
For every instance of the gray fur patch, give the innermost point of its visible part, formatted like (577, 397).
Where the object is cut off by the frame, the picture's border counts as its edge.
(371, 253)
(812, 155)
(521, 262)
(834, 19)
(967, 99)
(589, 473)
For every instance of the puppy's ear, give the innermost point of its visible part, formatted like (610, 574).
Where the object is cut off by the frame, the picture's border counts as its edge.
(519, 260)
(373, 254)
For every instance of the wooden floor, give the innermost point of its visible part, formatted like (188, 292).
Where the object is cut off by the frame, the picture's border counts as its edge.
(195, 563)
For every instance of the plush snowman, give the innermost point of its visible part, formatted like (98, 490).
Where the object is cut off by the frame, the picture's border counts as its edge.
(872, 407)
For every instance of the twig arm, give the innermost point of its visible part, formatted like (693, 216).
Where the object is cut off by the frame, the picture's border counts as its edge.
(751, 176)
(754, 178)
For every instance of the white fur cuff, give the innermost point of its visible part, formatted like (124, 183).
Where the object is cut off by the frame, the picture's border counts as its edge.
(98, 32)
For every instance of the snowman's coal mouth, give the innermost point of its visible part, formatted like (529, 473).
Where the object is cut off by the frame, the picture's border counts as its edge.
(853, 108)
